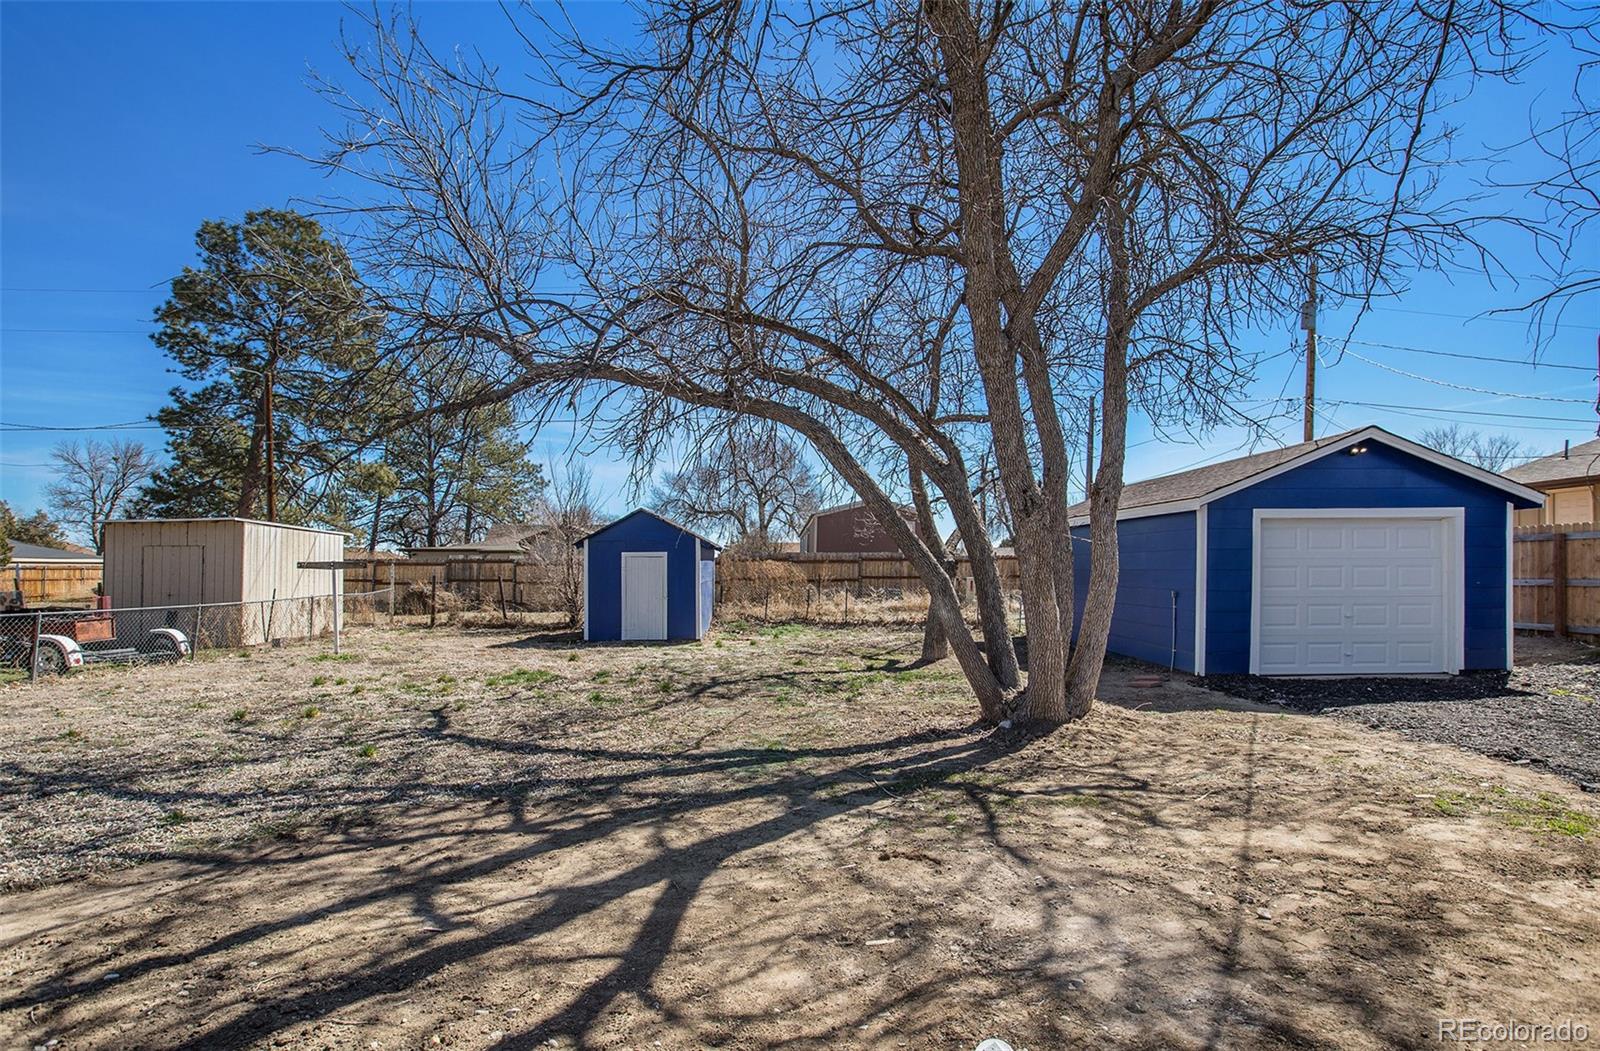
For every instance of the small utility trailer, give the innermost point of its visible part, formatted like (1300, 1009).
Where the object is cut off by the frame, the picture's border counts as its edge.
(72, 638)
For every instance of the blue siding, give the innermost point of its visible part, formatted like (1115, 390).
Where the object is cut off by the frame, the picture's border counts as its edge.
(1157, 557)
(708, 590)
(641, 531)
(1382, 477)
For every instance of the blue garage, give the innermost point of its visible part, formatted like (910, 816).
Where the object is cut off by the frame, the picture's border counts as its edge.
(1358, 554)
(647, 579)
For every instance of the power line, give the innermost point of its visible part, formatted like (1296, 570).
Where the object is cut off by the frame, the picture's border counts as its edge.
(1468, 357)
(1462, 386)
(1430, 415)
(23, 288)
(1469, 412)
(28, 428)
(79, 331)
(1479, 317)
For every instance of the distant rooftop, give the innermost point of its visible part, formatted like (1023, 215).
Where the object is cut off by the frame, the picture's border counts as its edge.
(21, 552)
(1577, 463)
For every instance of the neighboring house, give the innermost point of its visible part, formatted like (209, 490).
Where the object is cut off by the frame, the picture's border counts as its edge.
(1570, 480)
(501, 541)
(647, 579)
(849, 529)
(43, 574)
(1358, 554)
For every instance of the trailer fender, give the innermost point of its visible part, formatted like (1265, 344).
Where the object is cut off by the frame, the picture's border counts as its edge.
(67, 647)
(166, 641)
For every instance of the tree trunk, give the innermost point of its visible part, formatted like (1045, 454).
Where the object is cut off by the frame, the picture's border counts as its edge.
(1106, 493)
(935, 643)
(250, 483)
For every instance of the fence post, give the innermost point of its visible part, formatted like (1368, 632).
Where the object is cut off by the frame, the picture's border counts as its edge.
(194, 642)
(391, 593)
(1558, 575)
(33, 661)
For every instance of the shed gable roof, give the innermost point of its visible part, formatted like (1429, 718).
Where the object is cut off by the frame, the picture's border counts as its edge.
(1187, 490)
(646, 511)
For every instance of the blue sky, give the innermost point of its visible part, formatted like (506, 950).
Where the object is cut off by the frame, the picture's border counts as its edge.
(123, 126)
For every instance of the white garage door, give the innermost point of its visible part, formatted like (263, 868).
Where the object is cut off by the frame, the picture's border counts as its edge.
(1352, 596)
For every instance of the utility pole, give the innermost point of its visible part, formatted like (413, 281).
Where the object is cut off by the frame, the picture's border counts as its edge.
(272, 473)
(1308, 321)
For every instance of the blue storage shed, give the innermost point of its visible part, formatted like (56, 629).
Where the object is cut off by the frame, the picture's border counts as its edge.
(647, 579)
(1362, 553)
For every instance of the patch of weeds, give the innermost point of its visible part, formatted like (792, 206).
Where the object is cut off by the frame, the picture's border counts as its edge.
(340, 657)
(319, 680)
(1078, 799)
(596, 697)
(572, 658)
(367, 751)
(341, 681)
(71, 733)
(239, 715)
(310, 711)
(357, 688)
(786, 699)
(1544, 812)
(243, 654)
(783, 631)
(175, 817)
(602, 675)
(522, 677)
(459, 706)
(664, 686)
(446, 680)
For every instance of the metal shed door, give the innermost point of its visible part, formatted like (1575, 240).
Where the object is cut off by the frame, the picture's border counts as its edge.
(172, 575)
(644, 595)
(1352, 596)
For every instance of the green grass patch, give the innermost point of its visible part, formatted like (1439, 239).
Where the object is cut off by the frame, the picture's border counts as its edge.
(239, 715)
(340, 657)
(522, 677)
(1541, 813)
(367, 751)
(310, 711)
(319, 680)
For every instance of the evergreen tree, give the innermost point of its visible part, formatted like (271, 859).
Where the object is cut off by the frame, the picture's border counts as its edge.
(272, 323)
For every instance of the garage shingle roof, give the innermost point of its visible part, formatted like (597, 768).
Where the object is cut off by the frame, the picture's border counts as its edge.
(1196, 483)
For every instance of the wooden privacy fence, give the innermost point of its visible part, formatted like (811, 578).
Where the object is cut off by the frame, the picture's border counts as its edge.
(44, 585)
(507, 580)
(1556, 578)
(795, 578)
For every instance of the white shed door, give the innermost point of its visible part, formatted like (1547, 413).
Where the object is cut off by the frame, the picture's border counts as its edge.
(644, 595)
(1352, 596)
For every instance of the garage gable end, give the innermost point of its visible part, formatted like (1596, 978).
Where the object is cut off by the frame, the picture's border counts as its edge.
(1345, 536)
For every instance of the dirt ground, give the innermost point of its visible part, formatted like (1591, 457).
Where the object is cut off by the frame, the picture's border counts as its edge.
(780, 838)
(1544, 713)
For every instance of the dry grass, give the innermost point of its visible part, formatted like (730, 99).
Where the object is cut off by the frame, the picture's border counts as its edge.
(786, 836)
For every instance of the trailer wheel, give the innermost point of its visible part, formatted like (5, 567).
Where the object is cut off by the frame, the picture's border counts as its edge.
(51, 660)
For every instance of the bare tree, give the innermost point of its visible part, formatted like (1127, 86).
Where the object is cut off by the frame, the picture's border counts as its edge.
(749, 483)
(915, 236)
(565, 513)
(1492, 452)
(95, 481)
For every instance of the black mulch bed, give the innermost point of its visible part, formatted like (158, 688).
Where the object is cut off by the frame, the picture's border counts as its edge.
(1545, 713)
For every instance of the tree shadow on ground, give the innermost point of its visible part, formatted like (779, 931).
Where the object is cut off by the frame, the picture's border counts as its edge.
(589, 830)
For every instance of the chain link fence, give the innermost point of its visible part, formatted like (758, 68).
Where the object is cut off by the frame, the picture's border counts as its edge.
(40, 643)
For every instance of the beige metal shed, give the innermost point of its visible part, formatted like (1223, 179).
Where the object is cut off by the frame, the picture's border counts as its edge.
(211, 563)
